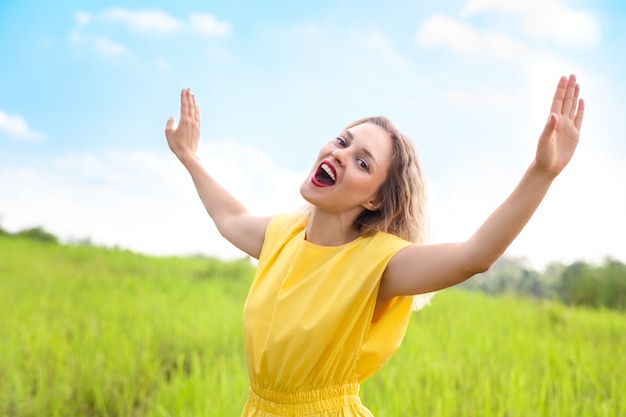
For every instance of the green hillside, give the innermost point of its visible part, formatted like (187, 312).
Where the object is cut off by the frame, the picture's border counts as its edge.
(89, 331)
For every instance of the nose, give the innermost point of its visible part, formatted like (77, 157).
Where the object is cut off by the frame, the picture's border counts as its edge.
(338, 156)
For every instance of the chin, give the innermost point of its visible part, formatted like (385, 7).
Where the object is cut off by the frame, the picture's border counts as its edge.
(311, 194)
(303, 192)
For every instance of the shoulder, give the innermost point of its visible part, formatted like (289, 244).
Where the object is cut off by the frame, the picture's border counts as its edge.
(282, 228)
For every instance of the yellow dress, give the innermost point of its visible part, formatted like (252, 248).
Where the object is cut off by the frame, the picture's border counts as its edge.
(309, 330)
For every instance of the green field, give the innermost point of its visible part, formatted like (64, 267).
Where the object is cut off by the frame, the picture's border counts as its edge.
(87, 331)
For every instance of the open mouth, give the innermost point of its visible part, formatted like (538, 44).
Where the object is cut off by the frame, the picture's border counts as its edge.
(325, 175)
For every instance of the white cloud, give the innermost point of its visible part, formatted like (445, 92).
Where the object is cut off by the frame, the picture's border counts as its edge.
(465, 39)
(144, 20)
(549, 20)
(537, 68)
(579, 219)
(261, 183)
(83, 18)
(107, 47)
(143, 201)
(583, 215)
(207, 24)
(16, 127)
(512, 25)
(157, 22)
(102, 45)
(90, 27)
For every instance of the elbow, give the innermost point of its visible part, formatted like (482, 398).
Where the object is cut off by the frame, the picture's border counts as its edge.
(479, 263)
(480, 267)
(478, 258)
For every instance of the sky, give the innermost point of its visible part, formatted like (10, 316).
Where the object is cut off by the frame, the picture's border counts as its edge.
(86, 89)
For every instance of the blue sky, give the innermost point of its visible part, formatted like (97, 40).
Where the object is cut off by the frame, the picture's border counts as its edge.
(85, 92)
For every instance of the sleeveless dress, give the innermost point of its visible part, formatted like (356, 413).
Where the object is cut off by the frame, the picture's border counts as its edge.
(309, 331)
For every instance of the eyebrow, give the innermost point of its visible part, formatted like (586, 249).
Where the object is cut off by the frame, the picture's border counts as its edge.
(364, 150)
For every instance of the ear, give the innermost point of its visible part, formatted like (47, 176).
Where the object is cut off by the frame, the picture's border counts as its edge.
(373, 205)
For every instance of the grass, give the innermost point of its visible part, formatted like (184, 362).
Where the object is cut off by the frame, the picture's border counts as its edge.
(103, 332)
(471, 355)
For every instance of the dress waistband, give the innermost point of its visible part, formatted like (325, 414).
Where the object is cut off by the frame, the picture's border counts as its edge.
(305, 402)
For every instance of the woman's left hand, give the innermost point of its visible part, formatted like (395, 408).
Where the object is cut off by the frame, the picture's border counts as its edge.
(183, 140)
(560, 135)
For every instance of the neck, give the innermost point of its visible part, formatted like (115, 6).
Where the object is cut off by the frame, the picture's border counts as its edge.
(330, 229)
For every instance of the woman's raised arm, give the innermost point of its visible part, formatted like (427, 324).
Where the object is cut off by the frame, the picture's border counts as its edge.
(231, 218)
(421, 269)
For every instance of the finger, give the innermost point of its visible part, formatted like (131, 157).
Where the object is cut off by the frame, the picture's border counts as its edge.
(568, 101)
(559, 94)
(184, 103)
(194, 109)
(169, 125)
(578, 120)
(572, 112)
(549, 128)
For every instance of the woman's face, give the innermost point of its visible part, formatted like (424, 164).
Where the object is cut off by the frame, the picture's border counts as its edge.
(349, 171)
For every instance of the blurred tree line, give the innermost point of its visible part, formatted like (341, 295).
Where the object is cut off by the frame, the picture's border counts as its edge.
(580, 283)
(36, 233)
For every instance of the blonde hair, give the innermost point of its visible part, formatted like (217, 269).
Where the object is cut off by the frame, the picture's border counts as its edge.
(403, 194)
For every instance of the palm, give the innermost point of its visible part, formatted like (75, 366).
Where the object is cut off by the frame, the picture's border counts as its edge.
(560, 135)
(184, 139)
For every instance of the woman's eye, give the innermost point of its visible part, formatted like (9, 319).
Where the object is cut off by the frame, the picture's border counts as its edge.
(341, 141)
(363, 165)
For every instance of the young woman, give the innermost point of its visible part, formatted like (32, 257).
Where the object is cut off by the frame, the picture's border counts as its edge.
(332, 294)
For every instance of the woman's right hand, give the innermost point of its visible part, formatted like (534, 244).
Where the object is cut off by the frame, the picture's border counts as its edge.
(183, 140)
